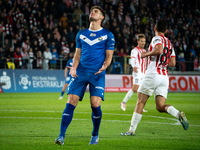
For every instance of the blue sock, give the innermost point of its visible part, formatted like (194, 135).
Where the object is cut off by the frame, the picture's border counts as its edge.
(96, 119)
(62, 93)
(66, 118)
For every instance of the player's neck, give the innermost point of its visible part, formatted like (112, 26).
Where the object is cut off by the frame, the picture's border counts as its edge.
(159, 33)
(140, 47)
(94, 26)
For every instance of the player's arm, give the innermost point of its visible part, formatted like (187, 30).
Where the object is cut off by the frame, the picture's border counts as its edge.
(134, 62)
(66, 69)
(108, 59)
(172, 62)
(157, 51)
(76, 61)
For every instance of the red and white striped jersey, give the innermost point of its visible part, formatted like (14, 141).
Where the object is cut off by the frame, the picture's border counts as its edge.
(158, 64)
(137, 61)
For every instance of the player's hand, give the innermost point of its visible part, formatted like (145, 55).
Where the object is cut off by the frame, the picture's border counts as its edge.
(143, 54)
(72, 72)
(101, 69)
(135, 69)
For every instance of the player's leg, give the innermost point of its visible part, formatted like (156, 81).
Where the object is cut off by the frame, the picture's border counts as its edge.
(160, 94)
(128, 96)
(96, 118)
(162, 107)
(137, 114)
(97, 86)
(144, 91)
(63, 90)
(67, 117)
(75, 93)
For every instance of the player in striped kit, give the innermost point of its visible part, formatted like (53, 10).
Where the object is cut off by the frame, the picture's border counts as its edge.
(139, 68)
(156, 78)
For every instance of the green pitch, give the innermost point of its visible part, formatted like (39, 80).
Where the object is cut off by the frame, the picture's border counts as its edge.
(30, 121)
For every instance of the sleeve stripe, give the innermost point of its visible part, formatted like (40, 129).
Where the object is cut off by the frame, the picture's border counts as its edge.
(158, 44)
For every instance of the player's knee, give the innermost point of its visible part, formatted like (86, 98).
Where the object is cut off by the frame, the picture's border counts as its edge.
(160, 108)
(72, 101)
(134, 90)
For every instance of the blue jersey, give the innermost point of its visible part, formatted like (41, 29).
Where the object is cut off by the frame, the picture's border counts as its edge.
(93, 46)
(69, 63)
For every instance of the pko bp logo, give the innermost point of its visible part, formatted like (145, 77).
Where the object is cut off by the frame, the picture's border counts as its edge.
(24, 82)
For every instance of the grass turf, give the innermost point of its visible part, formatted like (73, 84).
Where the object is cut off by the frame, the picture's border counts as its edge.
(31, 121)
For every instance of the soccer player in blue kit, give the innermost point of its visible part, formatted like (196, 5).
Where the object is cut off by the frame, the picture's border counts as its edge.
(94, 51)
(67, 77)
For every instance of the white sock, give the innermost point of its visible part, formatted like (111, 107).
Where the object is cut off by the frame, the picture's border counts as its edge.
(134, 121)
(128, 95)
(173, 111)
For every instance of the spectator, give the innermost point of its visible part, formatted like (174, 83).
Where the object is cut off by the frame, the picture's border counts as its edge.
(132, 8)
(18, 58)
(64, 21)
(47, 56)
(26, 45)
(53, 9)
(25, 58)
(6, 45)
(51, 21)
(62, 7)
(9, 55)
(2, 58)
(53, 61)
(193, 51)
(78, 12)
(52, 46)
(71, 34)
(57, 34)
(66, 49)
(128, 19)
(190, 64)
(55, 40)
(40, 39)
(35, 47)
(39, 60)
(31, 58)
(43, 47)
(72, 47)
(121, 53)
(65, 34)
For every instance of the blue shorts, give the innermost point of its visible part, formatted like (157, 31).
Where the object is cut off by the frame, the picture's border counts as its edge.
(67, 80)
(77, 86)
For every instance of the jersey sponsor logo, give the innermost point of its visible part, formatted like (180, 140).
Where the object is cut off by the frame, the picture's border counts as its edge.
(95, 41)
(92, 34)
(100, 39)
(157, 40)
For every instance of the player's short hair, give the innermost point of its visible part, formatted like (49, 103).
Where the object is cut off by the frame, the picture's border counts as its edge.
(161, 26)
(139, 36)
(101, 10)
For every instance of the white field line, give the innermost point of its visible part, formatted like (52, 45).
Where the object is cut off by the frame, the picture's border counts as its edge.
(173, 119)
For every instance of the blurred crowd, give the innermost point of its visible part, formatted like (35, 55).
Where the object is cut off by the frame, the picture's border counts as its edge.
(38, 33)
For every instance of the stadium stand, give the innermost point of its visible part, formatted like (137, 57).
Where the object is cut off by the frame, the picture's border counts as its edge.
(30, 26)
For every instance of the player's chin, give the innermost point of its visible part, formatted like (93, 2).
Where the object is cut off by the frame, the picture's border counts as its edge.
(92, 19)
